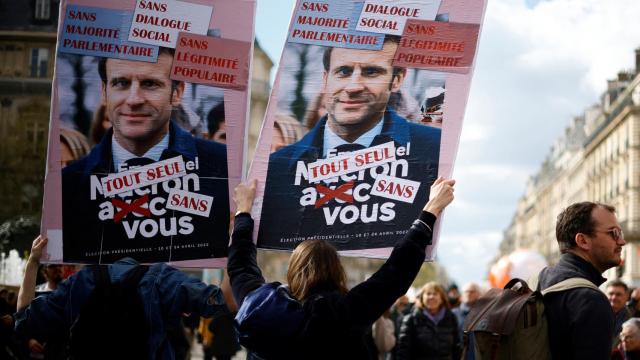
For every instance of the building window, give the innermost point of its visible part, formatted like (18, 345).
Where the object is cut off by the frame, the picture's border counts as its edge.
(43, 9)
(35, 136)
(39, 62)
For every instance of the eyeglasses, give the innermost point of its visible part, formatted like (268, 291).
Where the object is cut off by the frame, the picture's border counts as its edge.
(615, 233)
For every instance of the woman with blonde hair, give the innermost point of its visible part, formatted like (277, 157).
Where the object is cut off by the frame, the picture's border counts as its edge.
(430, 331)
(316, 316)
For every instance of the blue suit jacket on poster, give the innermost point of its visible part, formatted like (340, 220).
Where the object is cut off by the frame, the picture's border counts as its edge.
(172, 235)
(284, 222)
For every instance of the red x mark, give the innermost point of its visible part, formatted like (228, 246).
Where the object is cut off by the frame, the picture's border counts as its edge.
(339, 193)
(135, 206)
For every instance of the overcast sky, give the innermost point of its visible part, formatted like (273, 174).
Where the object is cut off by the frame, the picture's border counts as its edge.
(539, 63)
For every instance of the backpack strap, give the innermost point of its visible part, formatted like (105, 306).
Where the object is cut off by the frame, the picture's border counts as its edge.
(568, 284)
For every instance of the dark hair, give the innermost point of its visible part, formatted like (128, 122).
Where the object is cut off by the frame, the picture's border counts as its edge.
(102, 66)
(315, 265)
(214, 118)
(326, 56)
(576, 219)
(618, 283)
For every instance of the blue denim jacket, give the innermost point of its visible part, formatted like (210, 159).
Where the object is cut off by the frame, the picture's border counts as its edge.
(166, 293)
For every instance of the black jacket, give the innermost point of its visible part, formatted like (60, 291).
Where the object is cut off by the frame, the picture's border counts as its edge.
(335, 324)
(421, 338)
(580, 320)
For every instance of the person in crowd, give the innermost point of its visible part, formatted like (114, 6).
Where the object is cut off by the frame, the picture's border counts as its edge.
(332, 320)
(618, 294)
(166, 295)
(205, 337)
(53, 275)
(216, 125)
(384, 336)
(432, 108)
(634, 301)
(453, 295)
(73, 146)
(286, 130)
(629, 347)
(219, 338)
(9, 345)
(187, 120)
(400, 308)
(430, 331)
(470, 294)
(580, 320)
(405, 105)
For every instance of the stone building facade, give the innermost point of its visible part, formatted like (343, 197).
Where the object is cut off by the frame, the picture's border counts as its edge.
(596, 159)
(27, 51)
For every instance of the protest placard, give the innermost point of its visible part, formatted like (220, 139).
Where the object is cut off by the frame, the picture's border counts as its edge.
(140, 87)
(365, 113)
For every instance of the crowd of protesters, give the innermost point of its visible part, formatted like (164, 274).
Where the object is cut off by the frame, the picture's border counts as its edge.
(157, 311)
(316, 316)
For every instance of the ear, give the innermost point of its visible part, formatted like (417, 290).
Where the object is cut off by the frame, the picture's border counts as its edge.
(583, 242)
(398, 79)
(176, 95)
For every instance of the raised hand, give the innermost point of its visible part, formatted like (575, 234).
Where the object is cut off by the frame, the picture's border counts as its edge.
(440, 196)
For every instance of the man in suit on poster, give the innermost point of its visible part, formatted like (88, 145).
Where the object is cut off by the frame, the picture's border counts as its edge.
(357, 85)
(139, 99)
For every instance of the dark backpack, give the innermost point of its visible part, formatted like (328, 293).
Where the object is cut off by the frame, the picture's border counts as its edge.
(510, 323)
(270, 321)
(112, 323)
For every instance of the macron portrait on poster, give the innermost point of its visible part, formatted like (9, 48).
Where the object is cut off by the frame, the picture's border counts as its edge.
(137, 166)
(365, 114)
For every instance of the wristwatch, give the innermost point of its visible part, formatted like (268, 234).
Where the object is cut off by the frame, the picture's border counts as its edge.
(242, 212)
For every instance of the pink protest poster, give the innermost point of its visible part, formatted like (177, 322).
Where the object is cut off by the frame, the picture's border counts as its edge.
(149, 109)
(365, 113)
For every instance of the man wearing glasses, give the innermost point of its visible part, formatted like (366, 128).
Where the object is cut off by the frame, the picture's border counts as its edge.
(581, 320)
(630, 339)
